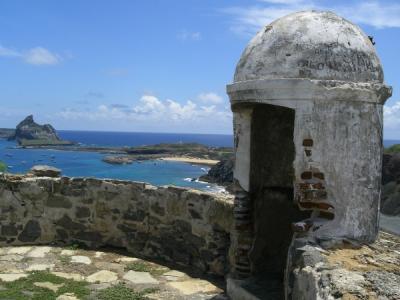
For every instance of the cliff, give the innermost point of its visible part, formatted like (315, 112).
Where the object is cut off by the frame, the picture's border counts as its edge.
(29, 133)
(221, 173)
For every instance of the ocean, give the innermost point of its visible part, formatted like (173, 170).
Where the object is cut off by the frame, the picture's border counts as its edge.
(90, 164)
(120, 139)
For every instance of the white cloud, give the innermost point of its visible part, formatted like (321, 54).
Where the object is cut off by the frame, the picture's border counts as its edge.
(210, 98)
(374, 13)
(166, 115)
(391, 115)
(35, 56)
(149, 105)
(41, 56)
(248, 20)
(185, 35)
(391, 120)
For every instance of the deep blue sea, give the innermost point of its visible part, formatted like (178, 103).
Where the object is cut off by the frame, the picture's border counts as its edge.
(90, 164)
(388, 143)
(120, 139)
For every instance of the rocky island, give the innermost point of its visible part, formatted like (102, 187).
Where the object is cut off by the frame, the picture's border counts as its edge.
(29, 133)
(193, 153)
(5, 133)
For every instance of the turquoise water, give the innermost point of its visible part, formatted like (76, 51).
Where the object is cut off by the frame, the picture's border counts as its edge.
(89, 164)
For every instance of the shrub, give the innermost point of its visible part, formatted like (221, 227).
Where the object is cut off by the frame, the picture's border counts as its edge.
(3, 167)
(393, 149)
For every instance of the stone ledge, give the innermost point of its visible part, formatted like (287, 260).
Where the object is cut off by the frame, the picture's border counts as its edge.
(258, 91)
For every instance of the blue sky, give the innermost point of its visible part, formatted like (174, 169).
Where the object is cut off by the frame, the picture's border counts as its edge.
(158, 66)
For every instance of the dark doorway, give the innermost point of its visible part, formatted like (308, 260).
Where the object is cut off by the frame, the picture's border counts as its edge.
(271, 178)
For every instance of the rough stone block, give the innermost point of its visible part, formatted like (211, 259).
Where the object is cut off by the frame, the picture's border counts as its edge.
(31, 232)
(9, 230)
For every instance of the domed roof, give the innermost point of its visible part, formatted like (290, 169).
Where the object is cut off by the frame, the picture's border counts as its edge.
(310, 44)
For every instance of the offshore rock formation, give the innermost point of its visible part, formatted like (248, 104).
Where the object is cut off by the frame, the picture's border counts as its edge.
(117, 160)
(29, 133)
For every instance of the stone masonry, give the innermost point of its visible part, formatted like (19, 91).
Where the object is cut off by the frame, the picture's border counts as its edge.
(183, 226)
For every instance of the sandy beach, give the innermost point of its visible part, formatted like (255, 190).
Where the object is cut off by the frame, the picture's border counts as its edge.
(192, 160)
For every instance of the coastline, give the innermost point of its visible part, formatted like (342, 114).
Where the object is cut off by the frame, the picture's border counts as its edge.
(191, 160)
(118, 155)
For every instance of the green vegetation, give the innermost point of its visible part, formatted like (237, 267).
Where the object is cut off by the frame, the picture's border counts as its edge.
(3, 167)
(43, 142)
(24, 288)
(140, 266)
(121, 292)
(188, 149)
(393, 149)
(74, 246)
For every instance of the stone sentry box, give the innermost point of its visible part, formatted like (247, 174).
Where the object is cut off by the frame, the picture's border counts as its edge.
(307, 102)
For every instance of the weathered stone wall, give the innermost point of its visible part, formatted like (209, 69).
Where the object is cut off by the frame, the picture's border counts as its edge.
(174, 224)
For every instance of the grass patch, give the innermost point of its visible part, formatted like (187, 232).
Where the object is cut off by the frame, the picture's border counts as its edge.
(121, 292)
(64, 259)
(140, 266)
(24, 288)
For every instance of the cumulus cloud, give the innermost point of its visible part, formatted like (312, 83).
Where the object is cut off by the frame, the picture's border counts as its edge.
(391, 115)
(249, 19)
(210, 98)
(150, 108)
(35, 56)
